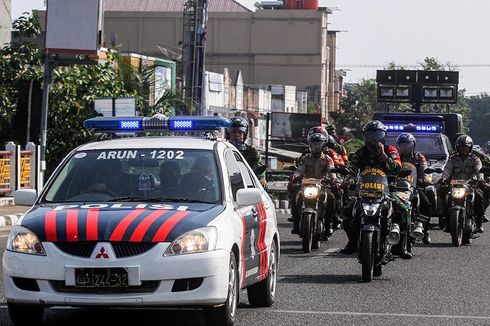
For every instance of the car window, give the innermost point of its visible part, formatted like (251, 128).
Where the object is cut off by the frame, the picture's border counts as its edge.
(105, 175)
(246, 174)
(234, 173)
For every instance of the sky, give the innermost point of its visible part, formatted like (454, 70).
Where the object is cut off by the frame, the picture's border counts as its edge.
(401, 31)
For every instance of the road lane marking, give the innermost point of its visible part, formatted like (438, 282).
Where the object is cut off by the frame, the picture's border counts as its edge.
(376, 314)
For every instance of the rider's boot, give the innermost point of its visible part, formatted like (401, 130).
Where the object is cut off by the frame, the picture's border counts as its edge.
(426, 239)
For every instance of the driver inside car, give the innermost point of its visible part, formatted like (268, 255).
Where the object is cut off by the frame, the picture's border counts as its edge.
(110, 180)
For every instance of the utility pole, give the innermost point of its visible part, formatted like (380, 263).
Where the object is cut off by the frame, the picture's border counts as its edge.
(48, 70)
(194, 52)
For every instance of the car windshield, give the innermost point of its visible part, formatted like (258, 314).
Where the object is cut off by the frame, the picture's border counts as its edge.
(430, 146)
(141, 175)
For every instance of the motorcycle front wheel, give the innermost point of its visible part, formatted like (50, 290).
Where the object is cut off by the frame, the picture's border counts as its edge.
(307, 232)
(366, 256)
(456, 227)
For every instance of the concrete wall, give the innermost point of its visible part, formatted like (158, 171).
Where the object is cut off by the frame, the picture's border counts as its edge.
(5, 21)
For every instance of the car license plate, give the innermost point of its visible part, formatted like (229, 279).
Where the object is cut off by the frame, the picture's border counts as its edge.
(101, 277)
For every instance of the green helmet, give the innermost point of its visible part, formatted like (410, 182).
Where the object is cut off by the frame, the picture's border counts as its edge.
(455, 137)
(330, 127)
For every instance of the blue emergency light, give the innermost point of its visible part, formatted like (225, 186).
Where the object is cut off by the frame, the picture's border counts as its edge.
(156, 123)
(411, 127)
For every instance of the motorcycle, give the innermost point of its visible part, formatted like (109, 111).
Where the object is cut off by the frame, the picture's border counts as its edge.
(373, 209)
(461, 199)
(312, 226)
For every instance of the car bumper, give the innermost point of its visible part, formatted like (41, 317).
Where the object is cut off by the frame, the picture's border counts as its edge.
(151, 267)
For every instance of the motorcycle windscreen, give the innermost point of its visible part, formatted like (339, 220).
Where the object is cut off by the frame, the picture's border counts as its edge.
(412, 178)
(373, 183)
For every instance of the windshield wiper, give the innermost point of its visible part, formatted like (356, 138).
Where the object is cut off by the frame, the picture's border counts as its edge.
(159, 199)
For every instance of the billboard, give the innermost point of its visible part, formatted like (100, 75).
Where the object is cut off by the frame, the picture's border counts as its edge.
(293, 125)
(73, 26)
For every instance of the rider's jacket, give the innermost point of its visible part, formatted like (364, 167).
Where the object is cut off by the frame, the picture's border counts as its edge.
(251, 155)
(337, 158)
(315, 167)
(420, 163)
(367, 157)
(458, 167)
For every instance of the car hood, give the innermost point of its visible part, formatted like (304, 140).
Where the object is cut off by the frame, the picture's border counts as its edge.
(127, 222)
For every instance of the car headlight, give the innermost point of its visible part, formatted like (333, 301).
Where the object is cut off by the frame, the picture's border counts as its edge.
(370, 209)
(24, 241)
(194, 241)
(311, 192)
(458, 193)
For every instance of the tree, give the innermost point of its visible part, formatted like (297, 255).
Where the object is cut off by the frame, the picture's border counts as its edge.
(479, 118)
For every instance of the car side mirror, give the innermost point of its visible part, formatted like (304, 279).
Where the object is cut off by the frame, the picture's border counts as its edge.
(433, 170)
(248, 197)
(25, 197)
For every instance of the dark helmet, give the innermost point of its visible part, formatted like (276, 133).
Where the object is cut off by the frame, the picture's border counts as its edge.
(464, 140)
(316, 142)
(237, 123)
(331, 142)
(455, 138)
(405, 143)
(317, 130)
(330, 127)
(374, 131)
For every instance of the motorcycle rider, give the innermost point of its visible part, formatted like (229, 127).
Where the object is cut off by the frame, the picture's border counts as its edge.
(339, 158)
(236, 134)
(313, 165)
(464, 165)
(337, 147)
(374, 154)
(405, 144)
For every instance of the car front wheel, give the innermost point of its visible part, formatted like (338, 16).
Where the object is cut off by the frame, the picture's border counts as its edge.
(225, 315)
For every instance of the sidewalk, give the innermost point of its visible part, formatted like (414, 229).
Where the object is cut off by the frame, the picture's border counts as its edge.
(10, 214)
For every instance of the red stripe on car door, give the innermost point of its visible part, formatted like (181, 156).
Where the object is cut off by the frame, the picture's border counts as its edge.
(72, 225)
(168, 225)
(93, 224)
(123, 225)
(50, 226)
(143, 227)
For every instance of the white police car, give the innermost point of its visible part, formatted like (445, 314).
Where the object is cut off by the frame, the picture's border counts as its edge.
(145, 221)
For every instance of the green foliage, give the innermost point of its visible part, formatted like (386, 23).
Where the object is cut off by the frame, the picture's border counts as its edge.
(353, 145)
(18, 61)
(479, 118)
(358, 107)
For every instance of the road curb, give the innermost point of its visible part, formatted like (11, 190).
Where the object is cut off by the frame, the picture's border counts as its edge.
(6, 221)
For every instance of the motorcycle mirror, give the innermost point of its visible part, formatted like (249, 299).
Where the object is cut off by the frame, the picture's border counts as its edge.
(340, 170)
(260, 169)
(404, 173)
(433, 170)
(485, 170)
(293, 168)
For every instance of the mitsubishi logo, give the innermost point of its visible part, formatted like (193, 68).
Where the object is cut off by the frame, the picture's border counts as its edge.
(102, 254)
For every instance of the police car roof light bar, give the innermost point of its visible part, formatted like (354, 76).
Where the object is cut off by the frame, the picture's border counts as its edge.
(411, 127)
(156, 123)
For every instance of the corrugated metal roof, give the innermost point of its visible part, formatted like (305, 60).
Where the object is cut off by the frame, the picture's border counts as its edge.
(170, 5)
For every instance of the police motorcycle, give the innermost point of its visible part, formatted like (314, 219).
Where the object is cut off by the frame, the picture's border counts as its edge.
(373, 210)
(461, 199)
(312, 227)
(404, 191)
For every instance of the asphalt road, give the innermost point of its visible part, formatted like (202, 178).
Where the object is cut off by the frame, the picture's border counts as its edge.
(442, 285)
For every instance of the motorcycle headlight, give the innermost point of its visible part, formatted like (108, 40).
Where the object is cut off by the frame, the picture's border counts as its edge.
(458, 193)
(370, 209)
(24, 241)
(194, 241)
(311, 192)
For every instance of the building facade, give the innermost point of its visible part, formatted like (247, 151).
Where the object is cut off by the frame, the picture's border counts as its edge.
(286, 47)
(5, 21)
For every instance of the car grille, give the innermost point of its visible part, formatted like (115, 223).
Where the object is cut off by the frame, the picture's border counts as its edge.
(121, 249)
(145, 287)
